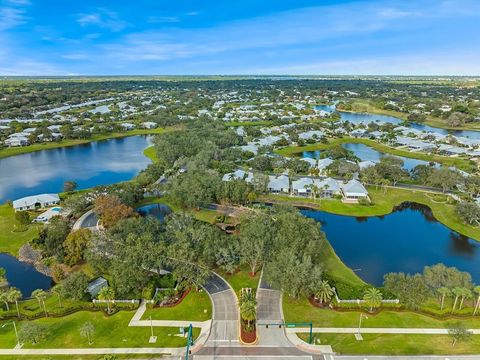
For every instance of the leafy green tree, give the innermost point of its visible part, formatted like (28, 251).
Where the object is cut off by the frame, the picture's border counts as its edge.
(468, 212)
(458, 332)
(4, 298)
(59, 290)
(87, 330)
(69, 186)
(466, 294)
(74, 286)
(373, 298)
(32, 332)
(51, 237)
(255, 240)
(409, 289)
(75, 246)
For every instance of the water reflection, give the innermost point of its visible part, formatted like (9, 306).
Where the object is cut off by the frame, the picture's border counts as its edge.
(406, 240)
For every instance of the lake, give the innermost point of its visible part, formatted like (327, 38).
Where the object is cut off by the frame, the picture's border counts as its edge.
(158, 211)
(405, 240)
(96, 163)
(365, 118)
(365, 152)
(23, 275)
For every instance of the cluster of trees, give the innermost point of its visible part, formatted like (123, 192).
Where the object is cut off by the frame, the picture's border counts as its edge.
(436, 281)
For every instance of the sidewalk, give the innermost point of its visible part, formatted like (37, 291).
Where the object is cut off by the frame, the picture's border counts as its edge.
(93, 351)
(418, 331)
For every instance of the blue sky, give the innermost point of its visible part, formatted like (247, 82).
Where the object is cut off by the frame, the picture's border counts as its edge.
(411, 37)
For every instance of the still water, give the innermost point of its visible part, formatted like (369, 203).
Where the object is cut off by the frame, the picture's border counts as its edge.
(405, 240)
(97, 163)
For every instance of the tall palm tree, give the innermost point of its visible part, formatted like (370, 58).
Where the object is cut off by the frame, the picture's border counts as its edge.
(324, 292)
(457, 292)
(40, 295)
(4, 298)
(373, 298)
(466, 294)
(108, 294)
(476, 289)
(58, 290)
(14, 295)
(443, 291)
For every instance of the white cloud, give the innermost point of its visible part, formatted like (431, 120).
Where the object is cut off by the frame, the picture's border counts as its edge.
(163, 19)
(102, 18)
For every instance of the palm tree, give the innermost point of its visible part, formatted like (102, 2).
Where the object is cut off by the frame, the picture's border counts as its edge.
(4, 299)
(108, 294)
(324, 292)
(373, 298)
(443, 291)
(466, 294)
(457, 292)
(248, 307)
(58, 290)
(14, 295)
(476, 289)
(40, 295)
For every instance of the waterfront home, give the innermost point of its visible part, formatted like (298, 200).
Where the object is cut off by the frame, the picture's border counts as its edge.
(451, 150)
(149, 125)
(312, 134)
(127, 126)
(35, 202)
(238, 175)
(354, 191)
(94, 287)
(16, 141)
(302, 186)
(279, 184)
(413, 144)
(328, 187)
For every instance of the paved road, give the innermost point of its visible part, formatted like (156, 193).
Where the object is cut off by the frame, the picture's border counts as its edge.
(415, 357)
(88, 220)
(224, 331)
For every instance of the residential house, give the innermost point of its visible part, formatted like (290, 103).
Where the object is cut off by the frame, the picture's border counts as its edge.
(35, 202)
(94, 287)
(279, 184)
(353, 191)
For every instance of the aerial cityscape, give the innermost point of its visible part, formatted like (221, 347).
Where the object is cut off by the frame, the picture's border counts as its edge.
(247, 180)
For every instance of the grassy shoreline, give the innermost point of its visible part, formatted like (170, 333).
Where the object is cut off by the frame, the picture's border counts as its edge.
(72, 142)
(364, 106)
(460, 163)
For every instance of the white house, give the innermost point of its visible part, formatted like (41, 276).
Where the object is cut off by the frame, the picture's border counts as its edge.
(149, 125)
(323, 164)
(302, 186)
(127, 126)
(35, 202)
(280, 184)
(354, 190)
(238, 175)
(310, 161)
(365, 164)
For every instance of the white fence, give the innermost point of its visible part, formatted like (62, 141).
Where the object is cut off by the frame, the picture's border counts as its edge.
(96, 301)
(361, 301)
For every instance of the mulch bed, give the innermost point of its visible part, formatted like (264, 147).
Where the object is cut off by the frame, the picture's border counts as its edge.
(315, 303)
(248, 337)
(175, 301)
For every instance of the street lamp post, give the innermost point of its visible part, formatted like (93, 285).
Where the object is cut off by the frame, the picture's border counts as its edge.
(360, 322)
(16, 332)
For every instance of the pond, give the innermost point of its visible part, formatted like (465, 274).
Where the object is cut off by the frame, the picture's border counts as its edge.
(365, 118)
(158, 211)
(96, 163)
(23, 275)
(406, 240)
(365, 152)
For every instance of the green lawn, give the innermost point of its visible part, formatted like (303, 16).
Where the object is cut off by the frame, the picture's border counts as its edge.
(11, 241)
(396, 344)
(460, 163)
(110, 331)
(195, 307)
(300, 310)
(72, 142)
(241, 279)
(384, 204)
(151, 153)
